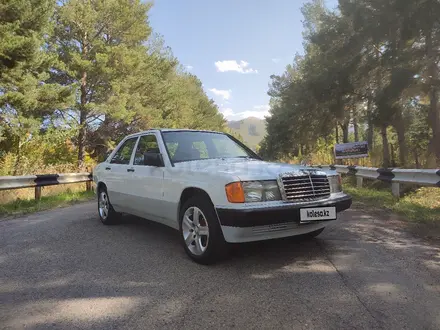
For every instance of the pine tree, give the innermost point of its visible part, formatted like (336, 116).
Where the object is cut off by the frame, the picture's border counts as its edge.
(26, 95)
(100, 44)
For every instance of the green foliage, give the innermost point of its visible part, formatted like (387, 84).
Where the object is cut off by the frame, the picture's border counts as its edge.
(27, 96)
(368, 66)
(41, 151)
(77, 76)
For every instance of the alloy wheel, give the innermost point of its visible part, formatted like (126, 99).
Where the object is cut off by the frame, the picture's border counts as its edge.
(195, 230)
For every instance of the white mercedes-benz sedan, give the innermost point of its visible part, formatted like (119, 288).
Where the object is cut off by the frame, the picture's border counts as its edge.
(214, 190)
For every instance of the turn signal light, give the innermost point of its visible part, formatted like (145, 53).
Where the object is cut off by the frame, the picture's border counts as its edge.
(234, 192)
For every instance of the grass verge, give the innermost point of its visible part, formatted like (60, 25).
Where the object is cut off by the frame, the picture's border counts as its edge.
(20, 207)
(420, 206)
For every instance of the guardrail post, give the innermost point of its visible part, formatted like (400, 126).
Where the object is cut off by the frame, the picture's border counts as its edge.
(88, 183)
(395, 189)
(37, 193)
(359, 181)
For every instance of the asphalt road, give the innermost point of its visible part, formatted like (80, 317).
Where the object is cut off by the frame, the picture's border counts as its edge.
(62, 269)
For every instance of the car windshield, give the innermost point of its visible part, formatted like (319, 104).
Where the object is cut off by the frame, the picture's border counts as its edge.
(186, 146)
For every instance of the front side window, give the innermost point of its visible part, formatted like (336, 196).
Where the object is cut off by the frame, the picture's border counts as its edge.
(147, 143)
(123, 155)
(192, 145)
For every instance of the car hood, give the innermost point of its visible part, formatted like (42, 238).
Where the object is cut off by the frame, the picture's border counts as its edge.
(244, 169)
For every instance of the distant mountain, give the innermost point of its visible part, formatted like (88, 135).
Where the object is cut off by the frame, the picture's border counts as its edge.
(251, 129)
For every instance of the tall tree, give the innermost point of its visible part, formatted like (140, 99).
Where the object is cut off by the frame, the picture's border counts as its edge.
(26, 94)
(371, 63)
(100, 43)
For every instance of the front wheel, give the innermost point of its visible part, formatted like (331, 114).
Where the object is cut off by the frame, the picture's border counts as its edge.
(200, 230)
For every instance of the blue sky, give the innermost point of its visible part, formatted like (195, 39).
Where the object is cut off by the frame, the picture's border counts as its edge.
(233, 46)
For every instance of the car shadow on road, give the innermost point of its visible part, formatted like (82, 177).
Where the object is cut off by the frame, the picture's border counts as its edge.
(276, 251)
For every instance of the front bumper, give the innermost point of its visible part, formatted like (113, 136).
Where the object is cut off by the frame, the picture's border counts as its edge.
(261, 223)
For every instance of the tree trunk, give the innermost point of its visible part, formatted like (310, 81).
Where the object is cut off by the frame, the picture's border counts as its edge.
(434, 112)
(81, 138)
(416, 158)
(399, 125)
(17, 158)
(82, 110)
(370, 132)
(344, 127)
(386, 152)
(393, 160)
(82, 121)
(337, 133)
(356, 129)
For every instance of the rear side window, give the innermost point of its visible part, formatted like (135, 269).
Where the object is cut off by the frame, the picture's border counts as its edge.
(147, 143)
(123, 155)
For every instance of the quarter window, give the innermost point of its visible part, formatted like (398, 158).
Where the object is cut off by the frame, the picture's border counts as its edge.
(123, 155)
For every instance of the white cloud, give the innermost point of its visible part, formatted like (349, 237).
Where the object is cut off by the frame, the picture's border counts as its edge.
(189, 67)
(258, 111)
(276, 60)
(262, 108)
(233, 65)
(225, 94)
(227, 112)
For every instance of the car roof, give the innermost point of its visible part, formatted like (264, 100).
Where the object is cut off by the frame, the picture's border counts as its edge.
(155, 130)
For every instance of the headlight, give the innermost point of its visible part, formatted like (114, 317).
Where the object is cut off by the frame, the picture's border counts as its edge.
(261, 191)
(335, 183)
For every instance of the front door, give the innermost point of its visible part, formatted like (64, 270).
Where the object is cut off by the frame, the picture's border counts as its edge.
(118, 172)
(147, 181)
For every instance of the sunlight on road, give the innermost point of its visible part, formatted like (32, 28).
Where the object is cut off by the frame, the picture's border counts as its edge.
(46, 312)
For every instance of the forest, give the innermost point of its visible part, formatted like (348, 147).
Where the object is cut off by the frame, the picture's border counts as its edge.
(369, 72)
(76, 76)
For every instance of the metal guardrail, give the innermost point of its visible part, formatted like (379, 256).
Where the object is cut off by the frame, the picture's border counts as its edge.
(396, 176)
(38, 181)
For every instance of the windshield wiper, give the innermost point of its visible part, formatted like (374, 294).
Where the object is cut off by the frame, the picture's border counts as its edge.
(244, 157)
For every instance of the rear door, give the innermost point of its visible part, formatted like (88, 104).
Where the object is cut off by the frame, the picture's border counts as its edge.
(118, 173)
(147, 181)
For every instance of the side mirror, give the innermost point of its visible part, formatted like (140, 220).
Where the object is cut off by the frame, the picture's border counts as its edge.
(153, 159)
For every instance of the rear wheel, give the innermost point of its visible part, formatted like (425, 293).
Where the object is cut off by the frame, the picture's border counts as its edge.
(200, 230)
(107, 214)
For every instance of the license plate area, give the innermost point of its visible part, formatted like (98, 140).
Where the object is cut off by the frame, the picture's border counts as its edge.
(317, 214)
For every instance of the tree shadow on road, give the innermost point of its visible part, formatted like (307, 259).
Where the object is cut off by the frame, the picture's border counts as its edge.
(137, 275)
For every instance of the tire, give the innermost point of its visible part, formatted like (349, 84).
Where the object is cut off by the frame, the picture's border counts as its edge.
(107, 214)
(203, 245)
(312, 234)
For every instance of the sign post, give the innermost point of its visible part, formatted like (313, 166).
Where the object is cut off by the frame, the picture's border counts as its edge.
(351, 150)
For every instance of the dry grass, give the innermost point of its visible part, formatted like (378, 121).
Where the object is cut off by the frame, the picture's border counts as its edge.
(20, 207)
(9, 196)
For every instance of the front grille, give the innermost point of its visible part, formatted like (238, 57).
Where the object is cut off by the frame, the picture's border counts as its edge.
(305, 187)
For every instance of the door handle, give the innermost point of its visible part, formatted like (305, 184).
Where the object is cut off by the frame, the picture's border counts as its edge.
(130, 169)
(108, 168)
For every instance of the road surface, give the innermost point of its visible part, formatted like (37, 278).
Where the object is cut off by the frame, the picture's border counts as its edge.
(62, 269)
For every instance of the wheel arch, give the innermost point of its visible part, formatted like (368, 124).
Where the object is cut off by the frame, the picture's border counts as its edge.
(99, 186)
(189, 192)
